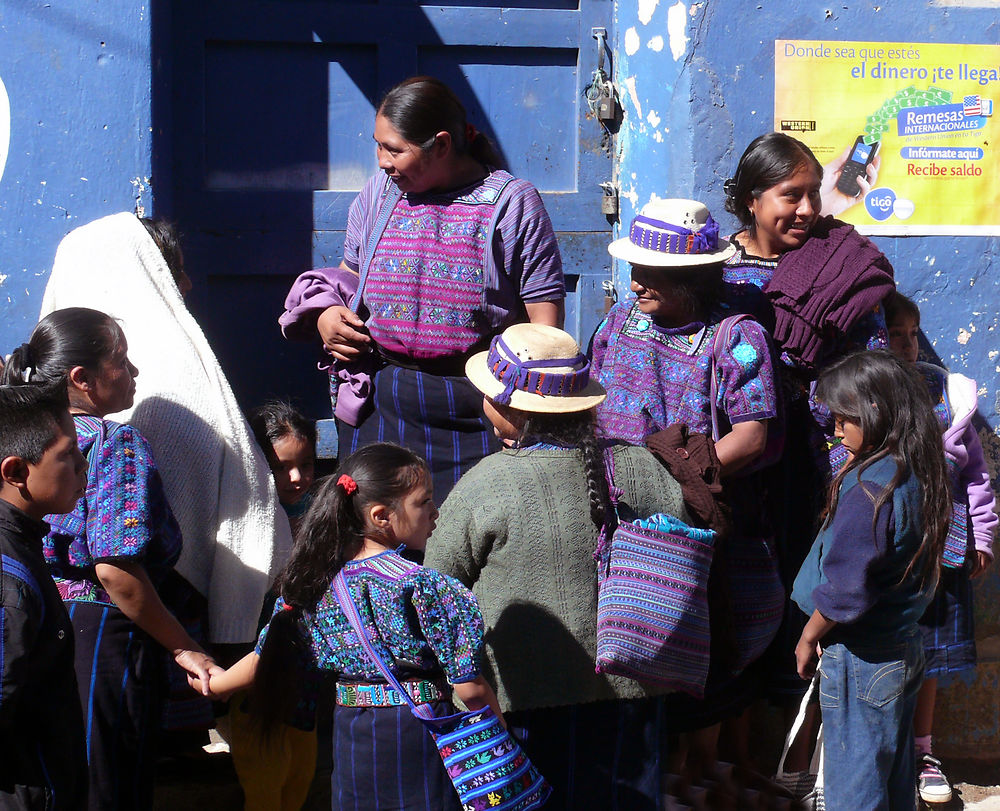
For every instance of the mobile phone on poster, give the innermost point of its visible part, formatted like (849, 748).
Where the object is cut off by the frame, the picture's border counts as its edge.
(857, 164)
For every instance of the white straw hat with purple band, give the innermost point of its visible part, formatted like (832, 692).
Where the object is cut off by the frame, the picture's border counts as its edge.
(533, 367)
(673, 233)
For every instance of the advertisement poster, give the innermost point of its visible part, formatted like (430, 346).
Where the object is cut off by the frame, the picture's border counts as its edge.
(917, 122)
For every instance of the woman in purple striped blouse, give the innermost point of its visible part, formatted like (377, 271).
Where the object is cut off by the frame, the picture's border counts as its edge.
(453, 250)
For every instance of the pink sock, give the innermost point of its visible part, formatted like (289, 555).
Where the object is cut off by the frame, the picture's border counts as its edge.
(923, 744)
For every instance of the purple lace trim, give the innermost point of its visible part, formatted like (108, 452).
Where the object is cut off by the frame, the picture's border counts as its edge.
(679, 240)
(516, 374)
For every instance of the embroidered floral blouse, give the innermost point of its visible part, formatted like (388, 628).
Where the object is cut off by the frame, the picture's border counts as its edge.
(420, 622)
(123, 515)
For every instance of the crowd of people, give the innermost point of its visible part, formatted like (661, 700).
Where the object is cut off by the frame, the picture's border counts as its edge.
(841, 484)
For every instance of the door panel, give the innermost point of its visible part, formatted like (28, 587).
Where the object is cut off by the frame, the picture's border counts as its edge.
(270, 132)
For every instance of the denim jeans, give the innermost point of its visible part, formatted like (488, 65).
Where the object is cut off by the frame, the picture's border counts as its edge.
(867, 694)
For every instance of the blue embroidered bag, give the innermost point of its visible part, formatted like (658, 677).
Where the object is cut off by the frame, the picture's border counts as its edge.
(652, 600)
(486, 765)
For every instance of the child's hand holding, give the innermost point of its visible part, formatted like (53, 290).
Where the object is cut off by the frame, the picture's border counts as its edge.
(806, 657)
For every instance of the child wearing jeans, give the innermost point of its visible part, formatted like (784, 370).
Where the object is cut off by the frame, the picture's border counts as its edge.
(948, 625)
(869, 577)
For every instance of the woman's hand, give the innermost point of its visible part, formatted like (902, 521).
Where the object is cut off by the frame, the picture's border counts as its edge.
(131, 590)
(834, 201)
(344, 334)
(220, 683)
(199, 667)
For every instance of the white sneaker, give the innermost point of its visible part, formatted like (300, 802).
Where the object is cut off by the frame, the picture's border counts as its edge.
(932, 785)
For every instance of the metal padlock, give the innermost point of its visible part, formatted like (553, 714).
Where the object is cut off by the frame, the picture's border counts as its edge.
(609, 199)
(610, 295)
(606, 105)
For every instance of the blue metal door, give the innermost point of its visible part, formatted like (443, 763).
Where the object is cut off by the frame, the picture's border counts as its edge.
(267, 137)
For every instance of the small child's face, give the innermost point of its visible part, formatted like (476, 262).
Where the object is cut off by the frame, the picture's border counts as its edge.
(903, 334)
(293, 466)
(412, 521)
(850, 434)
(57, 482)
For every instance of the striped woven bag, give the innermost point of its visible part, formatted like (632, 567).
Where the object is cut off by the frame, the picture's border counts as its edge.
(652, 603)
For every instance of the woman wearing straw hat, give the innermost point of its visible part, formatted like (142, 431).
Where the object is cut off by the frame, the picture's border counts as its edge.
(677, 352)
(520, 530)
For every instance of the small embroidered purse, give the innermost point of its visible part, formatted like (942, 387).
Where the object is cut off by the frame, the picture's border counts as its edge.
(486, 765)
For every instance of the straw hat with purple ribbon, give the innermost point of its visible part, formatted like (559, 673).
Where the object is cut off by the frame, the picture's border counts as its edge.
(673, 233)
(533, 367)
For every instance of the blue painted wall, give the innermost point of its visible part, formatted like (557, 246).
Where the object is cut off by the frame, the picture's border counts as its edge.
(697, 85)
(78, 79)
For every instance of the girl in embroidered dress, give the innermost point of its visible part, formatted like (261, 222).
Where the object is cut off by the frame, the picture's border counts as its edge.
(870, 575)
(681, 352)
(426, 626)
(453, 249)
(112, 557)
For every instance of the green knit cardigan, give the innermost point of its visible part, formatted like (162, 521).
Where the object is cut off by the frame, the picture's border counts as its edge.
(516, 530)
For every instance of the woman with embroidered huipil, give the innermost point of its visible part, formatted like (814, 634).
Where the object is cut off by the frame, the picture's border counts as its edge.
(681, 351)
(448, 251)
(824, 284)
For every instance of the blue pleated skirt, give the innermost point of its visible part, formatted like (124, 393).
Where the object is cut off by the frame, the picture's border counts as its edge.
(385, 760)
(439, 417)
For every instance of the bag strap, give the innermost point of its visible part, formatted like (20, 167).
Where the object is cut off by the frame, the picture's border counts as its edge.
(392, 195)
(718, 344)
(350, 609)
(798, 722)
(612, 519)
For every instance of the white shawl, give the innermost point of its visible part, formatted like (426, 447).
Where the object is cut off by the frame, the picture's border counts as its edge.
(236, 535)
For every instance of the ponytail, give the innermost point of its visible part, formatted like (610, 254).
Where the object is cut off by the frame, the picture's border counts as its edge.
(576, 430)
(19, 368)
(75, 336)
(420, 107)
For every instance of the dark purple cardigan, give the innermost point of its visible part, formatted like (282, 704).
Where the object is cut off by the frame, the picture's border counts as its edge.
(819, 291)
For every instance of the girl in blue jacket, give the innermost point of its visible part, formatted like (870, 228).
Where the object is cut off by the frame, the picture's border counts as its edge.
(869, 576)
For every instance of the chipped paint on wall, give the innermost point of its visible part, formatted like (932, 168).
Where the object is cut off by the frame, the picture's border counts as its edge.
(633, 96)
(631, 41)
(677, 29)
(655, 44)
(646, 9)
(653, 119)
(4, 126)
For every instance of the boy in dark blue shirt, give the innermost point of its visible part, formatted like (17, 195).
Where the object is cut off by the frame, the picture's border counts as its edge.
(43, 762)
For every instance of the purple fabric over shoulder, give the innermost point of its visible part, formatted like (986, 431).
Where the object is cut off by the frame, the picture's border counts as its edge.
(311, 293)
